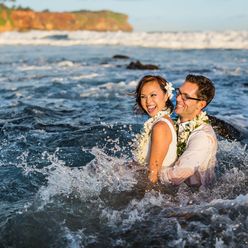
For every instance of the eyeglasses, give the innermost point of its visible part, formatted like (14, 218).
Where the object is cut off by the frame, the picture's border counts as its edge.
(185, 97)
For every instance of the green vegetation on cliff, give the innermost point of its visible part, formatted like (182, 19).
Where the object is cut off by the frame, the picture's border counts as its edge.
(5, 15)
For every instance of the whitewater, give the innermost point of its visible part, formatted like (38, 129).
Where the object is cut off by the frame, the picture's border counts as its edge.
(67, 131)
(170, 40)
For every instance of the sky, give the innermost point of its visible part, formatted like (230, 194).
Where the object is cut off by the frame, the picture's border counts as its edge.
(161, 15)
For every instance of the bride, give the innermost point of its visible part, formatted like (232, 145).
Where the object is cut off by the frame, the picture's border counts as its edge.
(157, 144)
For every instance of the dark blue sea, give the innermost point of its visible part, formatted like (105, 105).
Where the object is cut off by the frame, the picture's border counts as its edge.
(67, 129)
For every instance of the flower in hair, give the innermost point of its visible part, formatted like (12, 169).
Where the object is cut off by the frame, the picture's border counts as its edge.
(169, 88)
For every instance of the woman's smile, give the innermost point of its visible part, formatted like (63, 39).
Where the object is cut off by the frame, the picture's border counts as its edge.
(153, 98)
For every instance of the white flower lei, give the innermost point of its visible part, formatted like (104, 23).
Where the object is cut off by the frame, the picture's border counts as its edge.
(169, 88)
(189, 128)
(142, 139)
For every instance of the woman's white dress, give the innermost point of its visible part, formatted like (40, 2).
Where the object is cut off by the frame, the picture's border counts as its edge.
(171, 155)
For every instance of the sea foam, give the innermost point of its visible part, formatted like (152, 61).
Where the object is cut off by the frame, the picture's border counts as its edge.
(169, 40)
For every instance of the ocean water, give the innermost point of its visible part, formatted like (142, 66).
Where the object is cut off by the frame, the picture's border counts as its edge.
(67, 132)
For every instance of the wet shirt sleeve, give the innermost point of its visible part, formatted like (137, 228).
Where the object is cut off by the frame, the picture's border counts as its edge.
(196, 156)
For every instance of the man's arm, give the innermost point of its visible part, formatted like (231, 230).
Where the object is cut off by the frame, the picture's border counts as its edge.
(198, 152)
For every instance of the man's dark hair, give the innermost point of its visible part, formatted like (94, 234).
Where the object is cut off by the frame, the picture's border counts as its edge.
(206, 89)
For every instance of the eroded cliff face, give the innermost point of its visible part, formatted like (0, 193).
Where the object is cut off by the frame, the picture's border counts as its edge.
(24, 20)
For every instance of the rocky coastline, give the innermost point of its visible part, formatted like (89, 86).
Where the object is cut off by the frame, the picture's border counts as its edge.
(12, 19)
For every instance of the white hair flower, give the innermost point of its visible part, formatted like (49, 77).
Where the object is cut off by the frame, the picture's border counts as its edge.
(169, 88)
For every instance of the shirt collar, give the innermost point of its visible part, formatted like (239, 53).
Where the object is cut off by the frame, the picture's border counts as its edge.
(182, 125)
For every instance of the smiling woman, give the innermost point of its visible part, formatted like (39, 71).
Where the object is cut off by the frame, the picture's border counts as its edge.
(152, 98)
(157, 144)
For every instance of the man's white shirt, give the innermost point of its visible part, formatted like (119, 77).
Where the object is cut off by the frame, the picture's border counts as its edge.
(196, 166)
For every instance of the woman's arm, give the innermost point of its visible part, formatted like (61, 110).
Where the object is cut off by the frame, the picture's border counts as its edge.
(161, 139)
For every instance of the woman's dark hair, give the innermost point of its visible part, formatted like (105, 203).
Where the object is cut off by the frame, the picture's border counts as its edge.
(146, 79)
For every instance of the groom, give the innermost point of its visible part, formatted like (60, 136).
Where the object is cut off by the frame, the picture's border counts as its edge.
(197, 143)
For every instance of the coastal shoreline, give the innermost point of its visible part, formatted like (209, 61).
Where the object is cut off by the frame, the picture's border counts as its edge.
(25, 19)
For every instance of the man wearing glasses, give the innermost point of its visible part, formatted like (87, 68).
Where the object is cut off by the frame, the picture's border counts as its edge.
(197, 143)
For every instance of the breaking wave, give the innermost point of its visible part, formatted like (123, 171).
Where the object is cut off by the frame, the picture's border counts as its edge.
(169, 40)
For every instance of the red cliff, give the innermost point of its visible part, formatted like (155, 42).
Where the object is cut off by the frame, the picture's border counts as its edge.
(24, 20)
